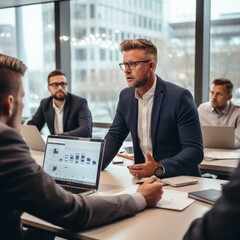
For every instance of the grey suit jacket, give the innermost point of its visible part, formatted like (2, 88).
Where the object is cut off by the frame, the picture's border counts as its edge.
(175, 129)
(25, 187)
(77, 118)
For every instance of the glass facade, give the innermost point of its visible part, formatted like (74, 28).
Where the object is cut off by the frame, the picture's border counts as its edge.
(95, 29)
(23, 34)
(225, 43)
(95, 37)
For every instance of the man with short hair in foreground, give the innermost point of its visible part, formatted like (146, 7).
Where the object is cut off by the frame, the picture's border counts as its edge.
(25, 187)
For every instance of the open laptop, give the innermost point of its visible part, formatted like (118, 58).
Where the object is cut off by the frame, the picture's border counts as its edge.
(32, 137)
(218, 137)
(74, 163)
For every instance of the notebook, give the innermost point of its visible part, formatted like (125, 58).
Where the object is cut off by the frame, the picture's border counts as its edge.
(74, 163)
(218, 137)
(32, 137)
(208, 195)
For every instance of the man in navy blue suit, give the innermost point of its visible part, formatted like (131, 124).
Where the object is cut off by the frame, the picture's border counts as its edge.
(161, 116)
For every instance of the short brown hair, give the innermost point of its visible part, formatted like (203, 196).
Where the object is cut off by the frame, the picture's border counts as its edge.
(11, 71)
(54, 73)
(144, 44)
(224, 81)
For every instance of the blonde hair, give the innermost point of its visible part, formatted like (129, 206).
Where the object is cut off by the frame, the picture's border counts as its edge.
(144, 44)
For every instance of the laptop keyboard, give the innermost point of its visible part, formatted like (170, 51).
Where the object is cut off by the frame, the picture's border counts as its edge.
(75, 190)
(78, 190)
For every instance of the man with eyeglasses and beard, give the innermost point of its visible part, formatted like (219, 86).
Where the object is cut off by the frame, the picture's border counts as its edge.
(161, 117)
(63, 112)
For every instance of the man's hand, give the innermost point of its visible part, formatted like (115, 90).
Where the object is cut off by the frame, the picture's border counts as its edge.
(146, 169)
(151, 189)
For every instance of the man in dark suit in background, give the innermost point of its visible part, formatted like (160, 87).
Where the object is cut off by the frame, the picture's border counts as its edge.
(25, 187)
(64, 113)
(161, 116)
(223, 220)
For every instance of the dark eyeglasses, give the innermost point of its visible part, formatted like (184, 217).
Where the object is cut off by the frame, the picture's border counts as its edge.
(56, 85)
(131, 64)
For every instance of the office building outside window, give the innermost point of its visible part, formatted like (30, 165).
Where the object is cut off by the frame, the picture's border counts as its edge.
(225, 43)
(24, 33)
(104, 24)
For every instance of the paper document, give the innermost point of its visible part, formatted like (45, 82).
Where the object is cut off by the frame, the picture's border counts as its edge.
(174, 200)
(221, 154)
(171, 199)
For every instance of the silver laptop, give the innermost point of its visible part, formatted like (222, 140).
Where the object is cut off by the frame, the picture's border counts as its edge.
(32, 137)
(74, 163)
(218, 137)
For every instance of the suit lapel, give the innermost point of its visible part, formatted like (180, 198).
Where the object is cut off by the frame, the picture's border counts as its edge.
(66, 109)
(134, 116)
(139, 158)
(157, 103)
(50, 113)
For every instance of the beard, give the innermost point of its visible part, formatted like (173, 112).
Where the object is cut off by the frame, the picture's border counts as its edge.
(141, 83)
(60, 97)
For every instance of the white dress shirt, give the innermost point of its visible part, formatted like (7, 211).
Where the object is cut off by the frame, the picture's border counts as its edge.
(58, 119)
(145, 105)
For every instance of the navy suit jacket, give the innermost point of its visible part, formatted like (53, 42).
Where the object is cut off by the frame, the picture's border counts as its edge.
(77, 118)
(175, 129)
(223, 220)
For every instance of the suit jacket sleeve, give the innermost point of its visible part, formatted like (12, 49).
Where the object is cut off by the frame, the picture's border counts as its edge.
(26, 187)
(77, 119)
(179, 133)
(223, 220)
(38, 118)
(117, 133)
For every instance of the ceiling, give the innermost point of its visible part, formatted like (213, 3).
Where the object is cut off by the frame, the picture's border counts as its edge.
(15, 3)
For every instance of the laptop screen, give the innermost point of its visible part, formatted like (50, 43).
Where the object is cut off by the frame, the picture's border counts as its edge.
(74, 161)
(32, 137)
(218, 137)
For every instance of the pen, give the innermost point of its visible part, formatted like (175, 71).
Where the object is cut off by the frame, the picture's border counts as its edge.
(140, 182)
(125, 156)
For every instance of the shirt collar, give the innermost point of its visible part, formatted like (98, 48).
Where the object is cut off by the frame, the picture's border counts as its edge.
(56, 108)
(225, 110)
(149, 93)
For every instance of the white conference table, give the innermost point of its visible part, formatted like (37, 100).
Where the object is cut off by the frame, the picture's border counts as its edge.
(150, 224)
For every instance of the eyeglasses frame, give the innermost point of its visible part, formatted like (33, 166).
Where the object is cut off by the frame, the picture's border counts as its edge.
(123, 65)
(56, 85)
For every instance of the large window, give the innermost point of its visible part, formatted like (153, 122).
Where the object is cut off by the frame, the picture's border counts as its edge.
(24, 34)
(225, 43)
(106, 23)
(93, 34)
